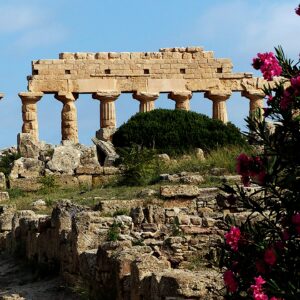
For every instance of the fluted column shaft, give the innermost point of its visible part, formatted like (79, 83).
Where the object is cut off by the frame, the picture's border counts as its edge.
(256, 102)
(107, 108)
(219, 110)
(182, 99)
(146, 100)
(69, 123)
(29, 113)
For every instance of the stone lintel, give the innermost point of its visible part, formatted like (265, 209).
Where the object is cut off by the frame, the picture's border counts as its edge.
(66, 96)
(106, 95)
(180, 95)
(145, 96)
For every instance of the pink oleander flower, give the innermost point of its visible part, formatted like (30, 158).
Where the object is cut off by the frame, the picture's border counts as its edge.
(296, 219)
(243, 163)
(270, 256)
(230, 281)
(232, 237)
(297, 10)
(287, 98)
(268, 64)
(260, 266)
(295, 83)
(258, 293)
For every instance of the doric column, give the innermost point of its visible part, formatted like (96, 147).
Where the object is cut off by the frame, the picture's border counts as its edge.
(69, 126)
(29, 113)
(107, 108)
(182, 99)
(219, 99)
(146, 100)
(107, 114)
(256, 98)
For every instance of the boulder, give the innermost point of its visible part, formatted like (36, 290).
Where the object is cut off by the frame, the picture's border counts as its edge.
(28, 147)
(164, 157)
(27, 168)
(2, 182)
(65, 159)
(199, 154)
(4, 196)
(39, 204)
(185, 191)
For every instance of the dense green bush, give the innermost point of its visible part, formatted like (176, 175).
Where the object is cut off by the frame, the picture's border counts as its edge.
(176, 131)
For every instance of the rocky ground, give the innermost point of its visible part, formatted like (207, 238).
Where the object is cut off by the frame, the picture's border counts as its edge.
(17, 281)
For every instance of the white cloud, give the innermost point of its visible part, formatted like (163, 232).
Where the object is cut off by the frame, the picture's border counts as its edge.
(42, 36)
(17, 18)
(240, 29)
(30, 26)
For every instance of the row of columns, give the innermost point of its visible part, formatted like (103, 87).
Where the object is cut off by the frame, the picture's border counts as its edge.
(69, 127)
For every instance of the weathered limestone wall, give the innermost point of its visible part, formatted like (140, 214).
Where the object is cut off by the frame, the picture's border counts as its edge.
(170, 69)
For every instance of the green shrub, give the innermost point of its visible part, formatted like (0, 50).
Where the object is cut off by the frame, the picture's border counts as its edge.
(176, 131)
(6, 162)
(48, 182)
(141, 167)
(113, 232)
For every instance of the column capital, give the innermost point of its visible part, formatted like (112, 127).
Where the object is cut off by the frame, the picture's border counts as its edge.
(180, 95)
(31, 96)
(145, 96)
(106, 96)
(218, 95)
(253, 94)
(66, 96)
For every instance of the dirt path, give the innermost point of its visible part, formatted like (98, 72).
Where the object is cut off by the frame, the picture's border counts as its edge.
(18, 282)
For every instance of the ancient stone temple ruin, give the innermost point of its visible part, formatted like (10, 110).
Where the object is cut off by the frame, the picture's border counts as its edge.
(180, 72)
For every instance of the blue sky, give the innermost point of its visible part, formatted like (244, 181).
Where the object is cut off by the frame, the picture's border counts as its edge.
(40, 29)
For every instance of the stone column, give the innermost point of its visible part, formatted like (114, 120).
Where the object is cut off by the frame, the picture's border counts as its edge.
(146, 100)
(29, 113)
(107, 113)
(182, 99)
(256, 98)
(219, 99)
(69, 126)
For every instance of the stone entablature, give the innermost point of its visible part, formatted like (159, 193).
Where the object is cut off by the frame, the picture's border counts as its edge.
(180, 72)
(169, 70)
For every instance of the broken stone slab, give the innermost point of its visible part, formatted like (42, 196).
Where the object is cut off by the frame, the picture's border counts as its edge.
(185, 191)
(107, 151)
(27, 168)
(65, 159)
(27, 146)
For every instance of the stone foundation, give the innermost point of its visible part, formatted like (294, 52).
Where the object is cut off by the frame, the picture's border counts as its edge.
(148, 254)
